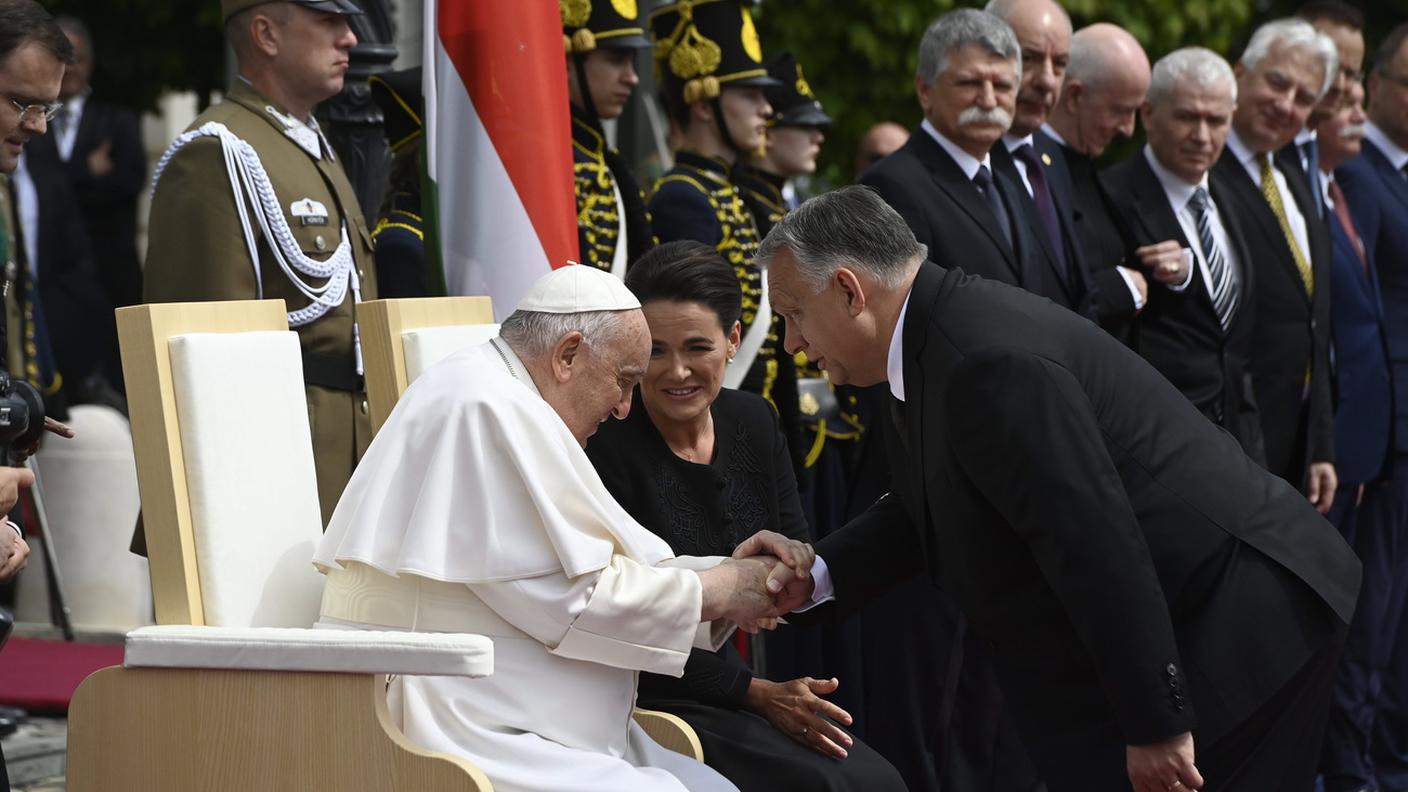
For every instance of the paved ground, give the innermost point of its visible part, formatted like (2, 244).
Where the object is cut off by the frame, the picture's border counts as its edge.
(34, 755)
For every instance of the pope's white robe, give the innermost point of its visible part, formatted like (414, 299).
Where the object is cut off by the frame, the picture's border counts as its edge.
(476, 511)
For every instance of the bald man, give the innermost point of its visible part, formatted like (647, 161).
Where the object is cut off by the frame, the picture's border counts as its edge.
(879, 142)
(1106, 80)
(1031, 158)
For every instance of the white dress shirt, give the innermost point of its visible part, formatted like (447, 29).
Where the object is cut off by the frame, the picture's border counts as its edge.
(1248, 159)
(822, 589)
(1179, 192)
(1013, 143)
(1397, 156)
(966, 162)
(27, 213)
(72, 114)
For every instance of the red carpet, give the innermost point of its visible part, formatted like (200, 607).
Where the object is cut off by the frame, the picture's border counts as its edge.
(40, 676)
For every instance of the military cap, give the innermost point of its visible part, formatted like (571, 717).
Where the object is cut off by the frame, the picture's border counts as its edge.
(792, 100)
(229, 8)
(704, 45)
(588, 24)
(398, 94)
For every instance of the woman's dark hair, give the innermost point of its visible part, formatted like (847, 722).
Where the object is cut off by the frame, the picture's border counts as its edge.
(688, 271)
(25, 21)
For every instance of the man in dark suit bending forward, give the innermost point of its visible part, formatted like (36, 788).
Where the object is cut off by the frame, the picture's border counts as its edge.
(1145, 587)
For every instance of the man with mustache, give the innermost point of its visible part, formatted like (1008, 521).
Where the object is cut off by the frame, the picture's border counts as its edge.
(943, 181)
(1284, 72)
(1106, 80)
(1377, 194)
(971, 215)
(298, 234)
(1033, 160)
(1363, 508)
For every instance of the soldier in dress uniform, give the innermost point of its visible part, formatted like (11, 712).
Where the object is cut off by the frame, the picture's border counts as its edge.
(251, 202)
(399, 234)
(712, 80)
(601, 38)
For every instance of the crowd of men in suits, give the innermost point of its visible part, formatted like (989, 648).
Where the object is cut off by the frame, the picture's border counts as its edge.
(1249, 251)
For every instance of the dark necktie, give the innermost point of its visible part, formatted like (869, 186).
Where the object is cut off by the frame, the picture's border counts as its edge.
(1347, 223)
(988, 189)
(1224, 280)
(1310, 152)
(1045, 205)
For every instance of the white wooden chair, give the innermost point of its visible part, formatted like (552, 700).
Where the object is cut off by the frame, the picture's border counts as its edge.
(400, 339)
(232, 690)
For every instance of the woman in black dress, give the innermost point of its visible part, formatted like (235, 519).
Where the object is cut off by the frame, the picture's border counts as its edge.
(705, 468)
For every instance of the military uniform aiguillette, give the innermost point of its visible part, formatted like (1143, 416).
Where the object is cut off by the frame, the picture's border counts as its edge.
(298, 235)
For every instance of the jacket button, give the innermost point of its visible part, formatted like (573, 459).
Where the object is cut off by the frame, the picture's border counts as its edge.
(364, 406)
(1171, 670)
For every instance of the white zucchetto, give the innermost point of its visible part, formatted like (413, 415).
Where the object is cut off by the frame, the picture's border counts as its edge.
(577, 288)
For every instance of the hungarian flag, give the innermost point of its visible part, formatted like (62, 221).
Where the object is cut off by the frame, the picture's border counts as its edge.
(499, 146)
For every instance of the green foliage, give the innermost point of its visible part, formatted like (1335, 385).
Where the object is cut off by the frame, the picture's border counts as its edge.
(147, 47)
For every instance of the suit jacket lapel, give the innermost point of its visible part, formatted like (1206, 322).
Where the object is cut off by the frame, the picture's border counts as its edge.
(1023, 201)
(1240, 184)
(1232, 224)
(1391, 177)
(916, 399)
(949, 177)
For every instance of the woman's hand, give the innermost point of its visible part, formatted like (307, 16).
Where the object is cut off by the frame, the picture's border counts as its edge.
(797, 709)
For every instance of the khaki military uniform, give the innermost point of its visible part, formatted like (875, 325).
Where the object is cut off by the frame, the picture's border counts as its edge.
(197, 251)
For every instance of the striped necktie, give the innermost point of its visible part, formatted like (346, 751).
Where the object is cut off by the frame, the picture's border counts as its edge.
(1225, 289)
(1273, 197)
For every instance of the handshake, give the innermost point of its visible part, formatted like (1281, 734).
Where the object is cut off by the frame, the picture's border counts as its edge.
(768, 576)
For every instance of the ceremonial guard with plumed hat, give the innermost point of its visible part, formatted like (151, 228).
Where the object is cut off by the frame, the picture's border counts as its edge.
(602, 38)
(712, 77)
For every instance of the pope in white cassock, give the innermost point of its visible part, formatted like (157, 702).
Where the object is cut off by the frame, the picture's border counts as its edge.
(475, 510)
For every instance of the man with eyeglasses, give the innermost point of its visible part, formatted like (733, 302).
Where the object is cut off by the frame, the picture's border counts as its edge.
(1376, 190)
(33, 51)
(251, 202)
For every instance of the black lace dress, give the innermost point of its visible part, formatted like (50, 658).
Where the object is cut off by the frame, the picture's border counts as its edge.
(708, 510)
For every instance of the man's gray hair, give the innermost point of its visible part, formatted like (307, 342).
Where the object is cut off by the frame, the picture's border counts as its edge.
(533, 334)
(851, 227)
(1198, 65)
(1294, 33)
(959, 28)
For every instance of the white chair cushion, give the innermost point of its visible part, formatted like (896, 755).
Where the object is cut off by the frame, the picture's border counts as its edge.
(427, 346)
(290, 649)
(250, 477)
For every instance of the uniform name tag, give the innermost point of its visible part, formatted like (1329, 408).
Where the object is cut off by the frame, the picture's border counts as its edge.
(309, 212)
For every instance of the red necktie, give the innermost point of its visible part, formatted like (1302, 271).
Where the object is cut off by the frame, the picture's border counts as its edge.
(1347, 223)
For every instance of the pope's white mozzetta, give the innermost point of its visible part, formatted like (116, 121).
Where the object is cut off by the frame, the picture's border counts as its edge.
(476, 510)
